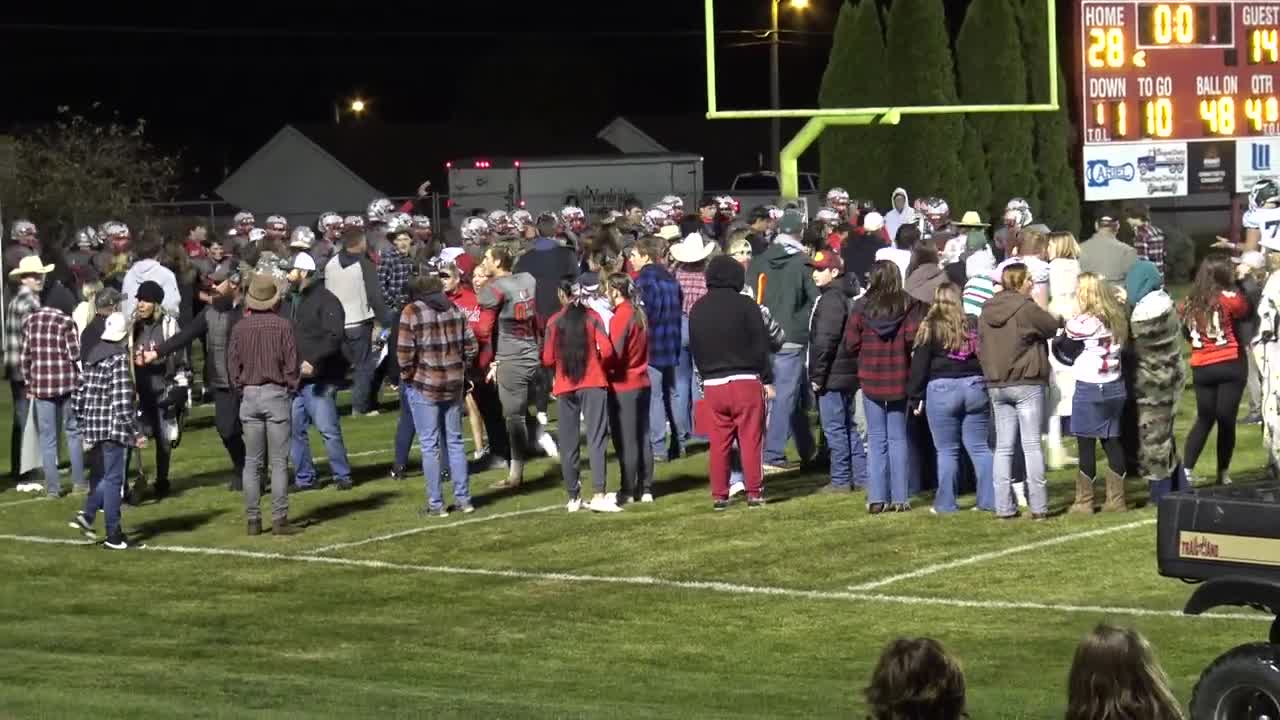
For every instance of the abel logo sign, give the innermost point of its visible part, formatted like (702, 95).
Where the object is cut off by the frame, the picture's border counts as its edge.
(1256, 159)
(1141, 170)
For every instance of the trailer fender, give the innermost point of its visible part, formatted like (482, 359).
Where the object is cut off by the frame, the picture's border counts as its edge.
(1235, 590)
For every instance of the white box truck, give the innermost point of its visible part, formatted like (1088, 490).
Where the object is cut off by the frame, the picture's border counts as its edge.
(598, 182)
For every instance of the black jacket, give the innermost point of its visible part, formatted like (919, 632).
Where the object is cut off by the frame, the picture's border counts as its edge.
(547, 262)
(859, 253)
(318, 321)
(727, 335)
(216, 372)
(831, 367)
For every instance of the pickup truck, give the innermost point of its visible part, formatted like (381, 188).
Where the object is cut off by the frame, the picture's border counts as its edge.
(765, 188)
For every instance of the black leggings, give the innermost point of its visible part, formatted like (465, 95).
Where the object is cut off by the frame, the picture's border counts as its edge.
(1219, 388)
(1088, 448)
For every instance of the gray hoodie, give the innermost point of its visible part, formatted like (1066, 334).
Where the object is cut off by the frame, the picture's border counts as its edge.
(144, 270)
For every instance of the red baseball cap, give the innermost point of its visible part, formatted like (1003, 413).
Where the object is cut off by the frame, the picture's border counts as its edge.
(826, 260)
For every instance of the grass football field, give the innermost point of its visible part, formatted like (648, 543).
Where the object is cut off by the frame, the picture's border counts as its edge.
(525, 611)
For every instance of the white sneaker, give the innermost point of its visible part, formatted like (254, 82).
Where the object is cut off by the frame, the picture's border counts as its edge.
(30, 487)
(604, 503)
(548, 445)
(646, 498)
(1020, 493)
(372, 413)
(542, 419)
(736, 488)
(574, 505)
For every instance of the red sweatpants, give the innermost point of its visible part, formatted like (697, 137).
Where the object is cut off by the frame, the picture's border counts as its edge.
(729, 411)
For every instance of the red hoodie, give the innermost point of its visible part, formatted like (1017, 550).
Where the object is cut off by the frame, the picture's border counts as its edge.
(599, 355)
(630, 368)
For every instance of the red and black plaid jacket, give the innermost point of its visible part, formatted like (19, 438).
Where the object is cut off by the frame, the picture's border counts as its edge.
(883, 349)
(50, 354)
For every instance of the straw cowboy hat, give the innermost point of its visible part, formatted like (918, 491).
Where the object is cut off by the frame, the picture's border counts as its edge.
(31, 265)
(692, 249)
(263, 293)
(971, 219)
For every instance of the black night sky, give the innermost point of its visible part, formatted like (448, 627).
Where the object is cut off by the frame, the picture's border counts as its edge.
(216, 80)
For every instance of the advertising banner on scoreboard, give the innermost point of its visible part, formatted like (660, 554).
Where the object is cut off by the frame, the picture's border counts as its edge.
(1256, 158)
(1138, 170)
(1212, 167)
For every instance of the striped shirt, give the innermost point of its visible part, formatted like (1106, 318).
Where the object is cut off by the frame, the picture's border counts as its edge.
(263, 351)
(977, 291)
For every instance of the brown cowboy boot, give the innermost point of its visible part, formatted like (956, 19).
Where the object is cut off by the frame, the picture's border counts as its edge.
(1084, 495)
(1115, 493)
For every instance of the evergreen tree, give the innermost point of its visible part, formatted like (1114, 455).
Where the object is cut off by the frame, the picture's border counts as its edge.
(855, 157)
(975, 193)
(1059, 205)
(925, 158)
(989, 50)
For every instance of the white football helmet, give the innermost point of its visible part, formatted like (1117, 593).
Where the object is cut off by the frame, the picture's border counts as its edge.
(500, 222)
(243, 218)
(1022, 207)
(353, 221)
(115, 230)
(827, 216)
(398, 223)
(302, 238)
(573, 218)
(475, 230)
(379, 210)
(838, 198)
(521, 219)
(654, 218)
(277, 223)
(421, 222)
(87, 237)
(22, 230)
(329, 221)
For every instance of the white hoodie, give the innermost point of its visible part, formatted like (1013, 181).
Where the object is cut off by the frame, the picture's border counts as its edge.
(893, 218)
(144, 270)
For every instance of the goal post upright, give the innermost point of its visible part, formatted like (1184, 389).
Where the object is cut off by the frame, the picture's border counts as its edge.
(820, 118)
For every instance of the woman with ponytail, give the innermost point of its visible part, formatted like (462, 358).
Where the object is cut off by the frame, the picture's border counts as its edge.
(577, 346)
(629, 388)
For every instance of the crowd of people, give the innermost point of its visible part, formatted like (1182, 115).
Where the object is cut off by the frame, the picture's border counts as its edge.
(1114, 675)
(937, 354)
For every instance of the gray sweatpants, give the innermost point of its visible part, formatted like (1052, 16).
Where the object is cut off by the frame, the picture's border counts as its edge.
(516, 385)
(629, 426)
(593, 405)
(264, 413)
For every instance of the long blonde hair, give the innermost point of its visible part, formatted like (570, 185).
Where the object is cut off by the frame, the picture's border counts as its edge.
(1095, 296)
(1115, 675)
(945, 324)
(1062, 244)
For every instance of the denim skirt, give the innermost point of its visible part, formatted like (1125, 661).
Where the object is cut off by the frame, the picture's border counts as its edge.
(1096, 409)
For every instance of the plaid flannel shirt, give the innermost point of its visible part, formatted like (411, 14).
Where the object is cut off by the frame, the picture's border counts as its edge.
(105, 402)
(693, 285)
(663, 300)
(1148, 241)
(21, 307)
(393, 275)
(50, 353)
(434, 350)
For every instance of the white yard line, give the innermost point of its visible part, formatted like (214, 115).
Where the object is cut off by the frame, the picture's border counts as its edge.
(646, 581)
(996, 554)
(42, 498)
(429, 528)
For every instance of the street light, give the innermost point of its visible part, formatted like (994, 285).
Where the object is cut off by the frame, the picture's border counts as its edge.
(775, 90)
(357, 106)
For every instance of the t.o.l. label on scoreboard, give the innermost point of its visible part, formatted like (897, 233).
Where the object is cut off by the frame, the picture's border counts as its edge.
(1192, 71)
(1122, 171)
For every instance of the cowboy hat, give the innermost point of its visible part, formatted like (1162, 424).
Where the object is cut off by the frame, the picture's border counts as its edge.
(971, 219)
(692, 249)
(263, 293)
(668, 232)
(31, 265)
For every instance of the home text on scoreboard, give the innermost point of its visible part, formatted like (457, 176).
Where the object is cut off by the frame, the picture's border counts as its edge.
(1178, 71)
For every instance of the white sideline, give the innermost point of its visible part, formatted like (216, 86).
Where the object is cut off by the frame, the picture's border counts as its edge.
(645, 581)
(428, 528)
(23, 502)
(996, 554)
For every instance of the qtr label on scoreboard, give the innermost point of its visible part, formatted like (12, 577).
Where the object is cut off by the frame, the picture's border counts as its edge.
(1124, 171)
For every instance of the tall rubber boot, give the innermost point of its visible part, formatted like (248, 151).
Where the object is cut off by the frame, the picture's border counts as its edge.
(1115, 493)
(1084, 495)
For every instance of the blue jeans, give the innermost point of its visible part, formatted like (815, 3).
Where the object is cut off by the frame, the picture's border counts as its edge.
(316, 403)
(19, 392)
(108, 488)
(357, 346)
(404, 429)
(886, 450)
(958, 415)
(1018, 409)
(437, 421)
(787, 416)
(47, 414)
(687, 390)
(662, 408)
(848, 456)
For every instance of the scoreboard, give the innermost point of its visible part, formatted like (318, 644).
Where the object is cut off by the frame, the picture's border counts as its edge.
(1177, 96)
